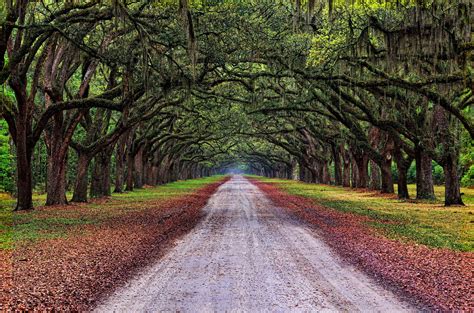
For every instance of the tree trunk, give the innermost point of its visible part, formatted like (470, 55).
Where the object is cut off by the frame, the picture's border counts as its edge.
(138, 166)
(326, 176)
(402, 169)
(337, 165)
(375, 183)
(96, 179)
(100, 186)
(354, 173)
(23, 162)
(120, 158)
(106, 176)
(387, 178)
(130, 164)
(58, 138)
(56, 170)
(362, 163)
(424, 176)
(346, 171)
(56, 185)
(154, 175)
(452, 186)
(80, 188)
(449, 141)
(403, 183)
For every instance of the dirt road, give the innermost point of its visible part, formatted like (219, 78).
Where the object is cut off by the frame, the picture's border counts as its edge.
(248, 255)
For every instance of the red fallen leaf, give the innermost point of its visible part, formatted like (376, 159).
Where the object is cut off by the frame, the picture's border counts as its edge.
(446, 283)
(70, 274)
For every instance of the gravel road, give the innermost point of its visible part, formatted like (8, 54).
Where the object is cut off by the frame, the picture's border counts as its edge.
(248, 255)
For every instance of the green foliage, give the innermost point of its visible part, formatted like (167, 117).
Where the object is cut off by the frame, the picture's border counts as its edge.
(468, 178)
(467, 160)
(7, 182)
(438, 173)
(411, 175)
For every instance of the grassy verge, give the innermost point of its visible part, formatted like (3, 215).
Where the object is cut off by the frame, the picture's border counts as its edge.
(428, 223)
(58, 221)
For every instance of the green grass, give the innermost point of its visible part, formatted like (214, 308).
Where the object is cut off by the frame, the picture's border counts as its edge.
(57, 222)
(423, 222)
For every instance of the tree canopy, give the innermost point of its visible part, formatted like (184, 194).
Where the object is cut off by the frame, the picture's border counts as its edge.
(143, 92)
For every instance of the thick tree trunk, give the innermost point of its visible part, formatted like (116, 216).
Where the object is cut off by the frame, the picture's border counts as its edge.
(362, 163)
(154, 175)
(96, 179)
(147, 173)
(402, 169)
(313, 173)
(138, 166)
(57, 145)
(129, 179)
(447, 137)
(424, 176)
(24, 182)
(80, 188)
(56, 185)
(452, 186)
(402, 183)
(173, 171)
(120, 158)
(375, 183)
(354, 173)
(163, 172)
(304, 173)
(100, 186)
(346, 172)
(106, 187)
(24, 146)
(387, 178)
(118, 183)
(326, 176)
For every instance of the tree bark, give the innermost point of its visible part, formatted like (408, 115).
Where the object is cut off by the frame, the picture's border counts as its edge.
(337, 165)
(130, 164)
(326, 176)
(362, 162)
(56, 185)
(138, 166)
(375, 182)
(402, 167)
(80, 188)
(96, 179)
(402, 183)
(452, 187)
(387, 178)
(24, 182)
(354, 173)
(424, 176)
(120, 158)
(346, 172)
(449, 141)
(100, 186)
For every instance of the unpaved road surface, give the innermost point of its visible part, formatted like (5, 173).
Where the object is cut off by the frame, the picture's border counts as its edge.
(248, 255)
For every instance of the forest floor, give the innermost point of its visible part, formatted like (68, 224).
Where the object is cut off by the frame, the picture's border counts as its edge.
(249, 255)
(66, 257)
(421, 249)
